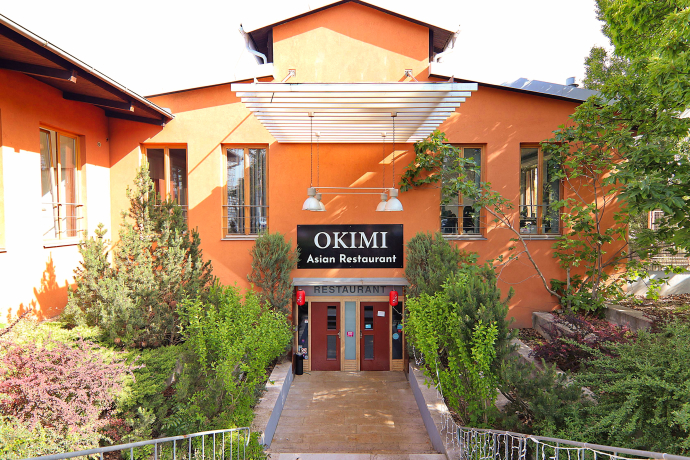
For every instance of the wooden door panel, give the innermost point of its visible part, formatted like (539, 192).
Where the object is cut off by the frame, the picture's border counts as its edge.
(375, 337)
(325, 336)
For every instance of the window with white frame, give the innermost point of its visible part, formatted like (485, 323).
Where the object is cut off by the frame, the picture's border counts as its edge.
(61, 204)
(245, 210)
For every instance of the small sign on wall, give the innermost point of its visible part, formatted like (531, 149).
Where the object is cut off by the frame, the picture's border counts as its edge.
(381, 313)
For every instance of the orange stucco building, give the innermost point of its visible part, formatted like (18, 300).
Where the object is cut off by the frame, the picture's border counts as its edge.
(241, 157)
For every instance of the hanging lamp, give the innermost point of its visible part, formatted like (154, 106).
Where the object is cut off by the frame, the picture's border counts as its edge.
(384, 197)
(312, 203)
(393, 203)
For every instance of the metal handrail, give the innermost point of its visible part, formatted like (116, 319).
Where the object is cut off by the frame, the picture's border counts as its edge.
(155, 442)
(597, 448)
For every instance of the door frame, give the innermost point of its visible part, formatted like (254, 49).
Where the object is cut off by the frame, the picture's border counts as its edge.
(358, 300)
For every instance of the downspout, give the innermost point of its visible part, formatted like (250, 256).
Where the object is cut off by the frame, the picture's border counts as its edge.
(251, 48)
(450, 47)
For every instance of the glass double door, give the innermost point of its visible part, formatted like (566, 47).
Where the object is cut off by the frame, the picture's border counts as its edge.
(350, 335)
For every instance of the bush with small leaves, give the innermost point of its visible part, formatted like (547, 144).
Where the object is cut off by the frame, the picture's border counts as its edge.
(61, 390)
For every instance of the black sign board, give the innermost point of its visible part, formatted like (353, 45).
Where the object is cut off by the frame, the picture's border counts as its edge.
(350, 246)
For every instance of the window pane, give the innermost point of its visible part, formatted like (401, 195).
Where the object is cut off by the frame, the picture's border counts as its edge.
(369, 317)
(156, 159)
(303, 327)
(332, 319)
(470, 216)
(368, 347)
(235, 191)
(551, 194)
(178, 176)
(350, 326)
(459, 215)
(396, 333)
(48, 186)
(257, 188)
(529, 180)
(67, 192)
(449, 211)
(331, 347)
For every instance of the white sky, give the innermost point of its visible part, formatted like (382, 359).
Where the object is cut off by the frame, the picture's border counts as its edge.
(158, 46)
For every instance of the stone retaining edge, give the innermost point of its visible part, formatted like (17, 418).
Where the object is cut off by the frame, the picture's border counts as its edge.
(433, 411)
(624, 316)
(267, 412)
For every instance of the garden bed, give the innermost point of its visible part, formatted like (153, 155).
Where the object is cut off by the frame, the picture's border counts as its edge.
(662, 310)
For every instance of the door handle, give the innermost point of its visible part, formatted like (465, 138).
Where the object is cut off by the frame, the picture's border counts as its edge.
(360, 334)
(338, 334)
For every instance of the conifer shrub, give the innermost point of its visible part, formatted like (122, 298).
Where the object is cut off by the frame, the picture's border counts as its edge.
(541, 401)
(273, 259)
(156, 263)
(463, 334)
(642, 392)
(430, 261)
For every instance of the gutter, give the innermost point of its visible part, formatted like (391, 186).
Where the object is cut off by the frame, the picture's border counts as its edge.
(82, 65)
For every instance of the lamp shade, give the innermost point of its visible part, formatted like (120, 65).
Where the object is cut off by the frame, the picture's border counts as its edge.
(382, 203)
(311, 203)
(394, 203)
(322, 207)
(300, 297)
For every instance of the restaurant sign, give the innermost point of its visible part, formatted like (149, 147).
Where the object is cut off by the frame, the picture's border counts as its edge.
(350, 246)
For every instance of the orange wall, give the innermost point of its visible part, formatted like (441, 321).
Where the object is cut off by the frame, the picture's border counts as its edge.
(33, 276)
(347, 43)
(350, 43)
(321, 48)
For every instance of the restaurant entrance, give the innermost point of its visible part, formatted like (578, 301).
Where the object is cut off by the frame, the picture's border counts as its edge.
(350, 332)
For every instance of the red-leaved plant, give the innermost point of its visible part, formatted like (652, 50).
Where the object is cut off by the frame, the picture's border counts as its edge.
(70, 389)
(571, 347)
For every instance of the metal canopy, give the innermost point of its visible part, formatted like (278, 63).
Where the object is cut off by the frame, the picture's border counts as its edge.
(352, 112)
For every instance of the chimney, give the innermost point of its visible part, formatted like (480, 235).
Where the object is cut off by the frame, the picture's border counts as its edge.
(570, 81)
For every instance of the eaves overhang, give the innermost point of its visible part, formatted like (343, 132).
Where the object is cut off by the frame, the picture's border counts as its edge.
(352, 112)
(23, 51)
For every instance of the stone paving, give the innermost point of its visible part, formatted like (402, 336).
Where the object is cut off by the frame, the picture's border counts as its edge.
(368, 415)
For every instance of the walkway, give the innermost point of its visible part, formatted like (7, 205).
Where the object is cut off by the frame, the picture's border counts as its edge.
(373, 414)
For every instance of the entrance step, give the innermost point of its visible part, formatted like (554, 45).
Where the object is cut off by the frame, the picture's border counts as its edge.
(359, 456)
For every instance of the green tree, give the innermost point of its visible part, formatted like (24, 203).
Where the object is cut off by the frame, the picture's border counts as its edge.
(430, 261)
(648, 102)
(156, 264)
(273, 259)
(601, 66)
(463, 334)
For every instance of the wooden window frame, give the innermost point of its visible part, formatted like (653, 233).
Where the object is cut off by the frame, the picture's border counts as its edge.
(247, 190)
(482, 215)
(78, 199)
(166, 169)
(540, 195)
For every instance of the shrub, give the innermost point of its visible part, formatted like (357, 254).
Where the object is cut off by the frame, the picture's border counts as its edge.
(272, 261)
(573, 346)
(232, 340)
(642, 392)
(463, 335)
(430, 261)
(541, 401)
(60, 393)
(146, 405)
(156, 264)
